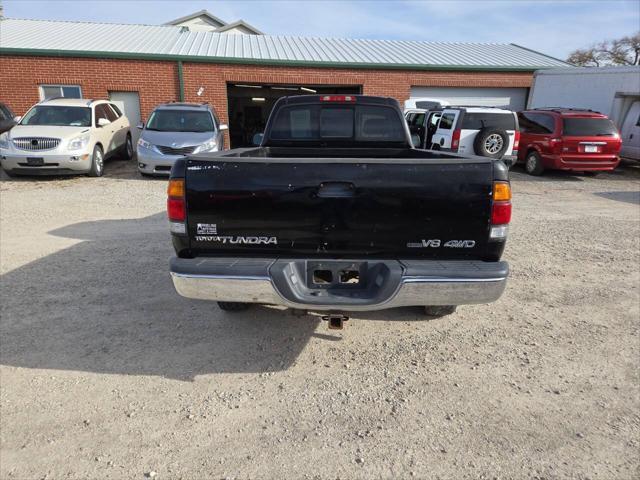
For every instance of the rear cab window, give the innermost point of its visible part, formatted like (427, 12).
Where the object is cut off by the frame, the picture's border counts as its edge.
(338, 124)
(588, 127)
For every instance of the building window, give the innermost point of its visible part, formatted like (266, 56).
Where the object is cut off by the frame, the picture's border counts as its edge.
(67, 91)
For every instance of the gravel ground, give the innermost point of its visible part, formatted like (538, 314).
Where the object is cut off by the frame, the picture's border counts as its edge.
(107, 373)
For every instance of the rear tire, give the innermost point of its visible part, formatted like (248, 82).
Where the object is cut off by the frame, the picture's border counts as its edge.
(439, 310)
(233, 306)
(491, 142)
(533, 164)
(127, 151)
(97, 162)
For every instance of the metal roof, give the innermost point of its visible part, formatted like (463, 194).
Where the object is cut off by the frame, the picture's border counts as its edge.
(44, 37)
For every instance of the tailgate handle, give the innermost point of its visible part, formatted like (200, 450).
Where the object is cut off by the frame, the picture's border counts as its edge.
(336, 190)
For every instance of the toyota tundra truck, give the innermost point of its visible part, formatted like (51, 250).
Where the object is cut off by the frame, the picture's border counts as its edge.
(336, 211)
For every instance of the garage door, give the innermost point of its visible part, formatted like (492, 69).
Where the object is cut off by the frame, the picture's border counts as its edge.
(512, 98)
(129, 103)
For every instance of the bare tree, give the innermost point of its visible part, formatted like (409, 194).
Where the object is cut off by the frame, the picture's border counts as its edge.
(622, 51)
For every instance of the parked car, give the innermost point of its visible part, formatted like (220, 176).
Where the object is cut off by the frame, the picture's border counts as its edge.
(66, 136)
(567, 139)
(484, 131)
(7, 118)
(175, 130)
(630, 133)
(336, 211)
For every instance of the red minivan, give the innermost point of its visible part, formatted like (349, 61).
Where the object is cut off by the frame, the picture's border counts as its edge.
(567, 139)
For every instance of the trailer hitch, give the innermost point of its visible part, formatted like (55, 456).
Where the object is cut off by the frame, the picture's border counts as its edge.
(335, 320)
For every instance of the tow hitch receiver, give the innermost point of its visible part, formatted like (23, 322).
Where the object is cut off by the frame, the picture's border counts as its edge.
(335, 320)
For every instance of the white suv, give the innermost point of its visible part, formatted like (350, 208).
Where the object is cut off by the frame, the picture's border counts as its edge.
(66, 136)
(483, 131)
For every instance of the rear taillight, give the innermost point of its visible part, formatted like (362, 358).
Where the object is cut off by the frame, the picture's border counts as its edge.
(500, 210)
(501, 213)
(516, 140)
(338, 98)
(455, 140)
(556, 144)
(176, 205)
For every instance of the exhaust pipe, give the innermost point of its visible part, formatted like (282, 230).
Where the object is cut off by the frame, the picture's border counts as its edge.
(335, 320)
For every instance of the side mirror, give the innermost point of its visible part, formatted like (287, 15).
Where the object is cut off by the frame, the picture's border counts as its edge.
(415, 139)
(140, 126)
(257, 139)
(223, 127)
(17, 118)
(103, 122)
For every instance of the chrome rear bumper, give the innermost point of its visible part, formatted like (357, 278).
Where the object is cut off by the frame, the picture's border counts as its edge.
(392, 283)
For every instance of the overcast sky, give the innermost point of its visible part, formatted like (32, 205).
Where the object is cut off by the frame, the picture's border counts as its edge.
(555, 28)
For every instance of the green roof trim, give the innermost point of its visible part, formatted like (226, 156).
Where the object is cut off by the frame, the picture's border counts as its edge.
(253, 61)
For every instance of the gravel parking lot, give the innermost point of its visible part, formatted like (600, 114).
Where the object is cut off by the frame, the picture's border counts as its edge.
(107, 373)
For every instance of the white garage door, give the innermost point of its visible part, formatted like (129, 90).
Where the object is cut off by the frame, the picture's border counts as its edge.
(512, 98)
(129, 103)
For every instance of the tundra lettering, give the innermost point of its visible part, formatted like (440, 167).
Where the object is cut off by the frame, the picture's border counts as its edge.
(237, 240)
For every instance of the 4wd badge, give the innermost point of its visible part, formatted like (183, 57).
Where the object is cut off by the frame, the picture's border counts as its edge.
(437, 243)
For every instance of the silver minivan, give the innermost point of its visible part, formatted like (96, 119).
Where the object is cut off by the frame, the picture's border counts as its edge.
(175, 130)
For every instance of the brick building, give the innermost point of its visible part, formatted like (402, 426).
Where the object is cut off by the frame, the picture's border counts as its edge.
(241, 72)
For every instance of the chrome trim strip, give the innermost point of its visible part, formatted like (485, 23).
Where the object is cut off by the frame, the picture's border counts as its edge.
(448, 280)
(220, 277)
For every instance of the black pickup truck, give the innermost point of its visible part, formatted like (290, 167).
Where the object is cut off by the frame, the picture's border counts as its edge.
(336, 211)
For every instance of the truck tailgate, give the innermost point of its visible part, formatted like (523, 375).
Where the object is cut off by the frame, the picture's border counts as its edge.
(386, 208)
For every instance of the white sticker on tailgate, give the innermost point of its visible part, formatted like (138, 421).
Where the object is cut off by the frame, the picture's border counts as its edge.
(207, 229)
